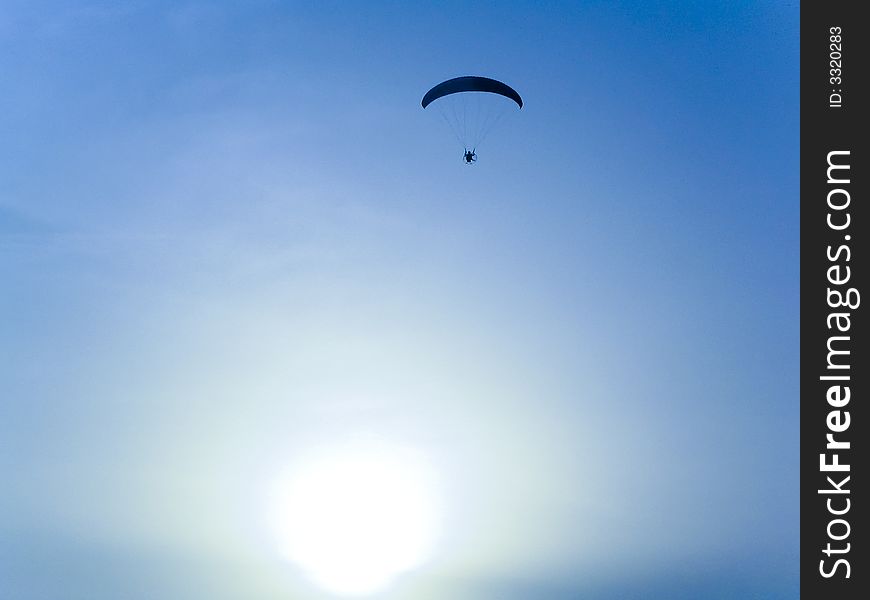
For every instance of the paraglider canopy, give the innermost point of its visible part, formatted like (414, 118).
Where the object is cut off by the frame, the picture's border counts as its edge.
(471, 106)
(471, 84)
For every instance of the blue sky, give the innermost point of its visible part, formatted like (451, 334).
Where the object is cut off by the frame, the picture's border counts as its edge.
(229, 233)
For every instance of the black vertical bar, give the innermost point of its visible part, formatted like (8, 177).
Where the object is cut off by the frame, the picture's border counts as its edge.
(834, 265)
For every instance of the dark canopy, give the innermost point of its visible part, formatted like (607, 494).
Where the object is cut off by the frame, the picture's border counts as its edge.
(471, 84)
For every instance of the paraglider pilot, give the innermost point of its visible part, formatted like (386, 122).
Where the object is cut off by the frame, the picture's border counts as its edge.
(470, 156)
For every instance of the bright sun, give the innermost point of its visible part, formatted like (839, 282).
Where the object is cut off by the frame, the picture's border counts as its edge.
(354, 518)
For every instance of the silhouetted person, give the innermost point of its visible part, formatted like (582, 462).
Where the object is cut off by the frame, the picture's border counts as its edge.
(470, 157)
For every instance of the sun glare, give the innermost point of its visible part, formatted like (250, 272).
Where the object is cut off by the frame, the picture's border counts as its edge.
(355, 518)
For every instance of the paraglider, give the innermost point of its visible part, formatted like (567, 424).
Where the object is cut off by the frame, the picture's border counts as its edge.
(472, 106)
